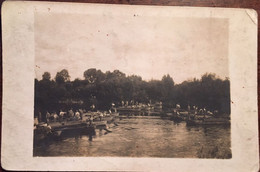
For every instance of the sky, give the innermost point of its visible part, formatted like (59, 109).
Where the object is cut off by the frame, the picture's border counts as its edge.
(147, 46)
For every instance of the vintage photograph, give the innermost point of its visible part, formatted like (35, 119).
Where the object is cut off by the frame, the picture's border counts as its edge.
(131, 86)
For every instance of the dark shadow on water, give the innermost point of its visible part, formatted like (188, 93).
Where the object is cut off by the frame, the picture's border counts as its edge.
(75, 133)
(206, 128)
(177, 122)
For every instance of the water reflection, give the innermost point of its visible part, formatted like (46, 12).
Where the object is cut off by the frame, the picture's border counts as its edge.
(143, 137)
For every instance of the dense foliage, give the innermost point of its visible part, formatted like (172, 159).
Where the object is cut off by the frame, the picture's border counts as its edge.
(102, 89)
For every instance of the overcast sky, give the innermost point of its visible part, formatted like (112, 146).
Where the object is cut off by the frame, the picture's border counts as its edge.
(146, 46)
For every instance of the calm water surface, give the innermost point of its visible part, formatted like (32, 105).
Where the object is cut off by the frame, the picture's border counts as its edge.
(145, 137)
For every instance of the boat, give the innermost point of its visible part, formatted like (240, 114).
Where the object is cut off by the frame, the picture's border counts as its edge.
(55, 129)
(41, 131)
(130, 110)
(68, 125)
(180, 115)
(88, 122)
(141, 109)
(99, 124)
(167, 115)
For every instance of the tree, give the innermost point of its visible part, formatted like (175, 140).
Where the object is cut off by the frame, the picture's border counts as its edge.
(46, 76)
(62, 76)
(209, 91)
(92, 75)
(167, 90)
(167, 80)
(154, 90)
(115, 75)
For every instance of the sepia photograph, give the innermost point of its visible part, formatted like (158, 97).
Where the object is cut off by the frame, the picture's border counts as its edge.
(131, 86)
(105, 87)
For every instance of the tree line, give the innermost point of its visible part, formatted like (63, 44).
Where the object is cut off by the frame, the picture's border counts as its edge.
(102, 89)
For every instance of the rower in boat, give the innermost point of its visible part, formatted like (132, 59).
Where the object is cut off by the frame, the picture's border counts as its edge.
(100, 116)
(77, 115)
(71, 114)
(55, 116)
(81, 113)
(62, 115)
(48, 115)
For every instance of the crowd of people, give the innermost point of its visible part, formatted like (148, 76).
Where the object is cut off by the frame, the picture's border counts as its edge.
(71, 115)
(197, 111)
(61, 115)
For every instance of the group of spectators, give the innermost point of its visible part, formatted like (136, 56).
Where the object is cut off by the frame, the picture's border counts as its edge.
(61, 115)
(197, 111)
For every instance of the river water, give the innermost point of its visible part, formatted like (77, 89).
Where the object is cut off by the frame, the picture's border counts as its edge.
(144, 136)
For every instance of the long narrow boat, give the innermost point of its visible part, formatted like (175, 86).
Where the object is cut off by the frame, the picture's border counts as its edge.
(67, 125)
